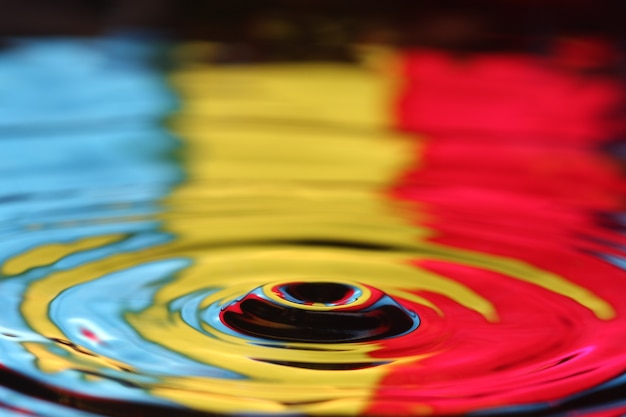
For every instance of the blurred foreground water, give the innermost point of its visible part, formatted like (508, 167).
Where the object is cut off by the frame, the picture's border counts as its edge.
(312, 238)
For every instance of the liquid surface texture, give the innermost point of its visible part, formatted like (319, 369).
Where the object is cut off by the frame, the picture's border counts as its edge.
(423, 236)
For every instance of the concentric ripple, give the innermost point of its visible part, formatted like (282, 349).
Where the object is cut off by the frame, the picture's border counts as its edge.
(301, 260)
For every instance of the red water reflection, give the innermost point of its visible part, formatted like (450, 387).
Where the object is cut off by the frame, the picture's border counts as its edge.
(510, 97)
(507, 166)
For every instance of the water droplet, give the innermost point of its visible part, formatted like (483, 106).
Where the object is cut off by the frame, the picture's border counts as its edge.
(318, 312)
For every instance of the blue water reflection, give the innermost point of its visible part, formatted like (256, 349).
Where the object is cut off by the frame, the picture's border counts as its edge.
(83, 153)
(80, 82)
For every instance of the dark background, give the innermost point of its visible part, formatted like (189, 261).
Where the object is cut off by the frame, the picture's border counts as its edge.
(321, 25)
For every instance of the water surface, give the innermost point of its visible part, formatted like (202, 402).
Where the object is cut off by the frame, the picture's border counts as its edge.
(260, 239)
